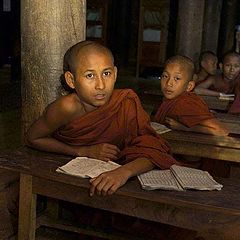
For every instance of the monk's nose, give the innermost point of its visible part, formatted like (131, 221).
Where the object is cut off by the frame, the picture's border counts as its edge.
(170, 82)
(100, 83)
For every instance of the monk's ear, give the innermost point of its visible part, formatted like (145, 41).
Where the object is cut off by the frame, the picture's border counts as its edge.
(115, 72)
(69, 78)
(191, 85)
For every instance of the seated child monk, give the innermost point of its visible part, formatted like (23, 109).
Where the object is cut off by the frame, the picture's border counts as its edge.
(181, 108)
(99, 122)
(96, 121)
(225, 82)
(207, 66)
(235, 107)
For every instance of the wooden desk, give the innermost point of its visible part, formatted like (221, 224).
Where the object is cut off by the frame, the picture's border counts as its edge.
(216, 104)
(203, 145)
(215, 214)
(232, 122)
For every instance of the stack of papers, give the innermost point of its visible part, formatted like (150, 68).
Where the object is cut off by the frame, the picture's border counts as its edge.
(178, 178)
(224, 96)
(159, 128)
(87, 167)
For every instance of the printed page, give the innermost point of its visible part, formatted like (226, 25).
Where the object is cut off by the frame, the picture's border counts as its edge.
(190, 178)
(159, 179)
(224, 96)
(86, 167)
(159, 128)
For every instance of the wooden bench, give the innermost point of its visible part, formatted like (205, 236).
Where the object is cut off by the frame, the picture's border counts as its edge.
(204, 145)
(216, 104)
(214, 214)
(232, 122)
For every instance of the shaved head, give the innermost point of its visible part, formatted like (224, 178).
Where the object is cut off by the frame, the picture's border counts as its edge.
(231, 54)
(206, 55)
(77, 53)
(185, 62)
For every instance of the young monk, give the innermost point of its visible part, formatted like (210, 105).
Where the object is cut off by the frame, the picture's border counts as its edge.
(181, 108)
(235, 107)
(99, 122)
(225, 82)
(207, 66)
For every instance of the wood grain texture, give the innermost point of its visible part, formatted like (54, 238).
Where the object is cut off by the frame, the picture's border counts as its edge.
(48, 29)
(215, 214)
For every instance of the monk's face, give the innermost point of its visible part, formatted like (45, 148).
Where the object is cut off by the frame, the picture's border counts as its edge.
(231, 67)
(175, 80)
(210, 64)
(94, 77)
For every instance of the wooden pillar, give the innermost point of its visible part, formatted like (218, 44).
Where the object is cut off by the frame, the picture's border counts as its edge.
(230, 13)
(190, 27)
(48, 29)
(211, 25)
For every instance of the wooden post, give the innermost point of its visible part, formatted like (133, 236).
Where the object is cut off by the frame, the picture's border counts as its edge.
(189, 28)
(48, 29)
(211, 25)
(228, 24)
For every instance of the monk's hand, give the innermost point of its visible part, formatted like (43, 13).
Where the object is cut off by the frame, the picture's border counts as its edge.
(172, 123)
(103, 151)
(108, 182)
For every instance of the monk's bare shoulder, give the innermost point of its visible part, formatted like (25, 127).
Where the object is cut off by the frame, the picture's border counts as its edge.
(65, 108)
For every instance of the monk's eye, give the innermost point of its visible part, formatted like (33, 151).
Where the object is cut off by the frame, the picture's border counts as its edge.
(177, 78)
(89, 76)
(107, 73)
(164, 76)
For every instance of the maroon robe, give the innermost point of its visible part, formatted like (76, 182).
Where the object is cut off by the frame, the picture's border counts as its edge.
(189, 109)
(122, 122)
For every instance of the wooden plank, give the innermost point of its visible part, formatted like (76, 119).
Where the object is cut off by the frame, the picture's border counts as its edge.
(232, 122)
(216, 104)
(210, 212)
(203, 145)
(27, 209)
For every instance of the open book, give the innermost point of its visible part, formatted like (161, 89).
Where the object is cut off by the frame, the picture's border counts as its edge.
(178, 178)
(159, 128)
(224, 96)
(87, 167)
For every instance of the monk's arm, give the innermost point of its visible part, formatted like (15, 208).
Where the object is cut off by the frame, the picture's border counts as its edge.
(202, 88)
(39, 136)
(214, 127)
(210, 126)
(107, 183)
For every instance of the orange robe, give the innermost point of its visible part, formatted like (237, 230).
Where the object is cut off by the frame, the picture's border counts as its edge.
(122, 122)
(235, 107)
(189, 109)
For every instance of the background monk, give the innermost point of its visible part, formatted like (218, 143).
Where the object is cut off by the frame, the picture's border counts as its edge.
(181, 108)
(235, 107)
(99, 122)
(207, 66)
(225, 82)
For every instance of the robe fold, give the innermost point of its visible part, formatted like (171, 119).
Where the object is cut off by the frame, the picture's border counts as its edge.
(122, 122)
(189, 109)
